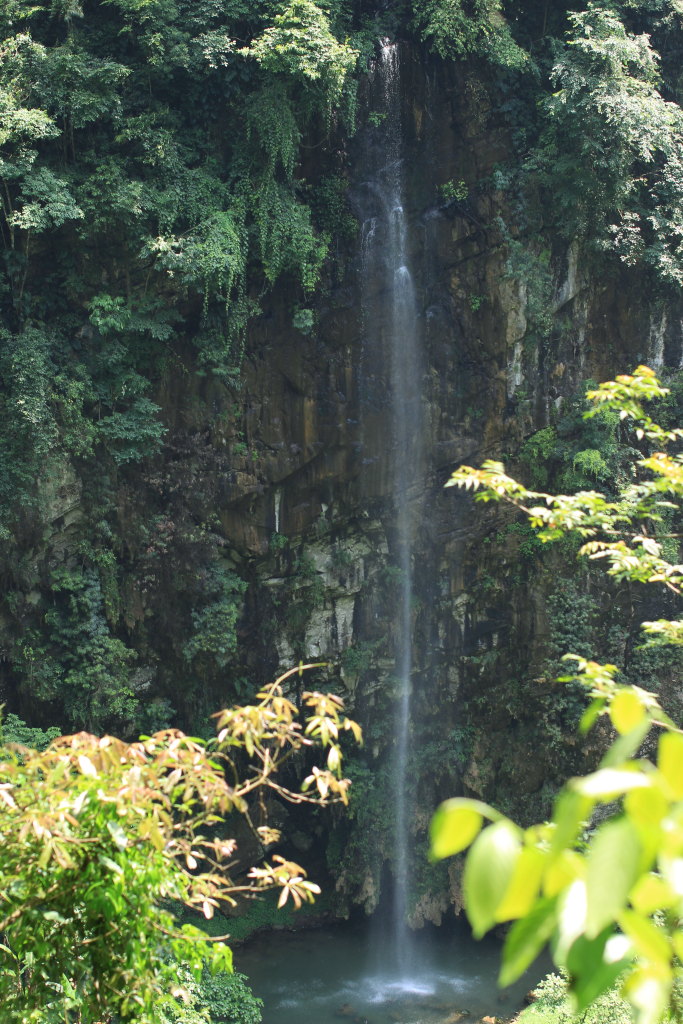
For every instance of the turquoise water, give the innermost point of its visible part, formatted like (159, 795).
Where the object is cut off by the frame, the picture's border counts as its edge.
(326, 976)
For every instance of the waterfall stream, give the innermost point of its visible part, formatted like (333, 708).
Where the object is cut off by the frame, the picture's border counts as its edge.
(395, 331)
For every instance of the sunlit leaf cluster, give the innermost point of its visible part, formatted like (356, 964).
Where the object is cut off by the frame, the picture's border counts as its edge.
(100, 838)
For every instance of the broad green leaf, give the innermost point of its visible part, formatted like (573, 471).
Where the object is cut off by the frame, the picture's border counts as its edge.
(571, 810)
(488, 870)
(572, 908)
(670, 762)
(45, 855)
(526, 939)
(626, 711)
(612, 870)
(595, 964)
(591, 715)
(565, 869)
(220, 958)
(649, 941)
(524, 884)
(652, 893)
(107, 862)
(68, 987)
(455, 824)
(626, 746)
(672, 871)
(646, 807)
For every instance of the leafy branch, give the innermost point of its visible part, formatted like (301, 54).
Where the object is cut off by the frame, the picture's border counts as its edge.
(612, 907)
(99, 838)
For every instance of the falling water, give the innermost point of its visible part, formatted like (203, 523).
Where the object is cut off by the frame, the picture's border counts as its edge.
(386, 260)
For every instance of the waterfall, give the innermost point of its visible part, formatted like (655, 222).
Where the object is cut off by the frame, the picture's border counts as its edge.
(392, 327)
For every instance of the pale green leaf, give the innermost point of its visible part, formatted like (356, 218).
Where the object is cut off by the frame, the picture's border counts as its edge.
(595, 964)
(526, 939)
(626, 746)
(626, 711)
(488, 870)
(612, 870)
(455, 824)
(649, 941)
(648, 991)
(652, 893)
(609, 783)
(670, 762)
(524, 884)
(572, 909)
(118, 835)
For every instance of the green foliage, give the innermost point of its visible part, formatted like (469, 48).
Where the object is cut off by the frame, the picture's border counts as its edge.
(331, 209)
(131, 435)
(455, 29)
(300, 44)
(82, 664)
(303, 320)
(531, 269)
(26, 413)
(272, 125)
(150, 161)
(83, 879)
(454, 190)
(210, 259)
(575, 453)
(230, 999)
(612, 148)
(370, 835)
(278, 542)
(252, 916)
(14, 730)
(287, 240)
(302, 594)
(44, 202)
(552, 1005)
(612, 907)
(214, 625)
(99, 839)
(214, 997)
(573, 613)
(356, 660)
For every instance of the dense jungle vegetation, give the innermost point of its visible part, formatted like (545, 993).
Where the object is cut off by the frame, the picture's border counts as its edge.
(164, 164)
